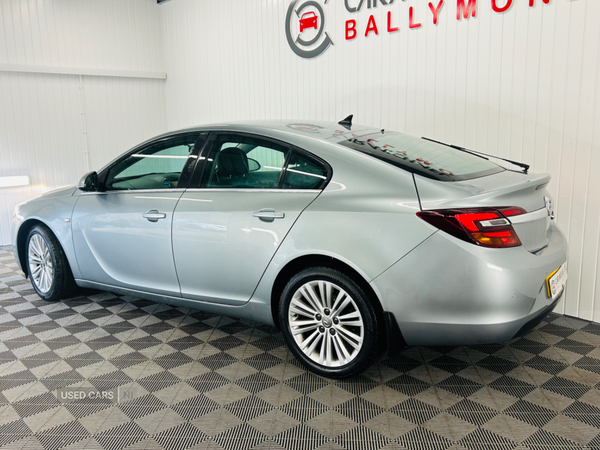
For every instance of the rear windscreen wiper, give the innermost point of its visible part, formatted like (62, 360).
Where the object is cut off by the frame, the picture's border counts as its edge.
(524, 166)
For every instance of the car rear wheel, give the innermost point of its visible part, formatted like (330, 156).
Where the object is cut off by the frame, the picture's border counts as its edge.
(48, 267)
(329, 323)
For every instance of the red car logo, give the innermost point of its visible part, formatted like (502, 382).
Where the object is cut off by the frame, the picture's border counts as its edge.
(308, 20)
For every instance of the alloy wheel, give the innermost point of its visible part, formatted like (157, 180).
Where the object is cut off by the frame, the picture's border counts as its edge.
(326, 323)
(41, 267)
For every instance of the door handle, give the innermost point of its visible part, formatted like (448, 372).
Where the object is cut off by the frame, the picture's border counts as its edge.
(268, 215)
(153, 215)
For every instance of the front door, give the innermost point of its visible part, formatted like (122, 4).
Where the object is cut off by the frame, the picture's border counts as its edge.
(227, 229)
(122, 235)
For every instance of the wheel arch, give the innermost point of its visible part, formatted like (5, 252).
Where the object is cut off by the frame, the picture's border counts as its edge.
(315, 260)
(21, 242)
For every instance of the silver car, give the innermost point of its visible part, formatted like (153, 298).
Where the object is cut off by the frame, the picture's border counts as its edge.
(351, 240)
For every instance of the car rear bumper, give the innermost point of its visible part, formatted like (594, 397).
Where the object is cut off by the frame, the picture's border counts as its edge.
(451, 292)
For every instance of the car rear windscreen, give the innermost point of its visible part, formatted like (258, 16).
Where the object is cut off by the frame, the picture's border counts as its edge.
(422, 157)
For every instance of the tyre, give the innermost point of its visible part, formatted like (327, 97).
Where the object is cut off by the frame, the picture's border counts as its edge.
(47, 264)
(329, 323)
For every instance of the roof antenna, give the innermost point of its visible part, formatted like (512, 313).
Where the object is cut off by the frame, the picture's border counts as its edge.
(347, 122)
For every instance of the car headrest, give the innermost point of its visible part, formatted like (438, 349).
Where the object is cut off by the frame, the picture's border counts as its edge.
(232, 162)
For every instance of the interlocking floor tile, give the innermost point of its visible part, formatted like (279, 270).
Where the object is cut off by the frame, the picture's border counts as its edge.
(307, 382)
(482, 438)
(416, 411)
(248, 407)
(273, 422)
(472, 412)
(571, 429)
(184, 435)
(331, 423)
(303, 408)
(408, 385)
(530, 413)
(420, 438)
(512, 386)
(384, 396)
(362, 438)
(331, 395)
(202, 381)
(510, 428)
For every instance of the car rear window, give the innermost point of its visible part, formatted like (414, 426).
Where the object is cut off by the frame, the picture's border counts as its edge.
(422, 157)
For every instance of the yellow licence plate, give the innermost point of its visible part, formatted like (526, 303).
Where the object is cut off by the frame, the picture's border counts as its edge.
(555, 282)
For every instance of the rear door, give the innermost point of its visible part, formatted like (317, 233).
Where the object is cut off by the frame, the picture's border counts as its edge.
(122, 235)
(243, 200)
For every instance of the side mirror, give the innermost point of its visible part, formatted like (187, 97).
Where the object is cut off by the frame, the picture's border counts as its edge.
(89, 182)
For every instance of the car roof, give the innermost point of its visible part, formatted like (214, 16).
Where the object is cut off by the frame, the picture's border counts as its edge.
(292, 131)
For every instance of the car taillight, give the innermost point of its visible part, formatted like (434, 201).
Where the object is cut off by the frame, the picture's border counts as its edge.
(488, 227)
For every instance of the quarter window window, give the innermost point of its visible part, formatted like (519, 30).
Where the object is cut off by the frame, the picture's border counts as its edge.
(303, 173)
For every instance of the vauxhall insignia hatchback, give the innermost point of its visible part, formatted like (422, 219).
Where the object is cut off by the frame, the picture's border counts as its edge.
(349, 239)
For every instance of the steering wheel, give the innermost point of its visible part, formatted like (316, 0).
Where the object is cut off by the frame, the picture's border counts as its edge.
(168, 180)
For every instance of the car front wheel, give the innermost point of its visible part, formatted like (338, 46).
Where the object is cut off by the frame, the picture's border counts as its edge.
(48, 267)
(329, 323)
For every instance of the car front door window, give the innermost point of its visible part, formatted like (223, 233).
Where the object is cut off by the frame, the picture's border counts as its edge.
(158, 166)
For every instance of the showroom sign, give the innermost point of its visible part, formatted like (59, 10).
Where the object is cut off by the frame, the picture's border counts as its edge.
(308, 20)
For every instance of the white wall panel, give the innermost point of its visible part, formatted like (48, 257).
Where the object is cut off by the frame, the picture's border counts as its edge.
(41, 126)
(37, 138)
(41, 133)
(521, 84)
(121, 112)
(113, 34)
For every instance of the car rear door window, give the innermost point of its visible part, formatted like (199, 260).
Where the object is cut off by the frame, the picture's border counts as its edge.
(240, 162)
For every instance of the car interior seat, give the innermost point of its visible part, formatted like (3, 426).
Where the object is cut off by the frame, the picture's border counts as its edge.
(232, 167)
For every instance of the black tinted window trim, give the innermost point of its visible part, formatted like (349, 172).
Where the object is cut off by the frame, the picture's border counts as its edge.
(411, 166)
(188, 170)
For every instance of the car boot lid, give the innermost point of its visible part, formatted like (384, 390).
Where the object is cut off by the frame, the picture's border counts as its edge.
(504, 189)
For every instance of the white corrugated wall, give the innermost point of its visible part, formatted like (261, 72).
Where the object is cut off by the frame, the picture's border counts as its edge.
(44, 47)
(522, 84)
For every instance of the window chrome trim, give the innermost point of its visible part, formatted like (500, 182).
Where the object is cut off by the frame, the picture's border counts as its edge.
(529, 217)
(292, 191)
(135, 191)
(152, 191)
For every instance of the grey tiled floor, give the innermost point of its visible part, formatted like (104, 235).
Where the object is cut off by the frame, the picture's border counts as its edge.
(210, 382)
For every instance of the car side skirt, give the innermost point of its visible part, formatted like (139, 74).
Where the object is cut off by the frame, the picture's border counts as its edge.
(255, 311)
